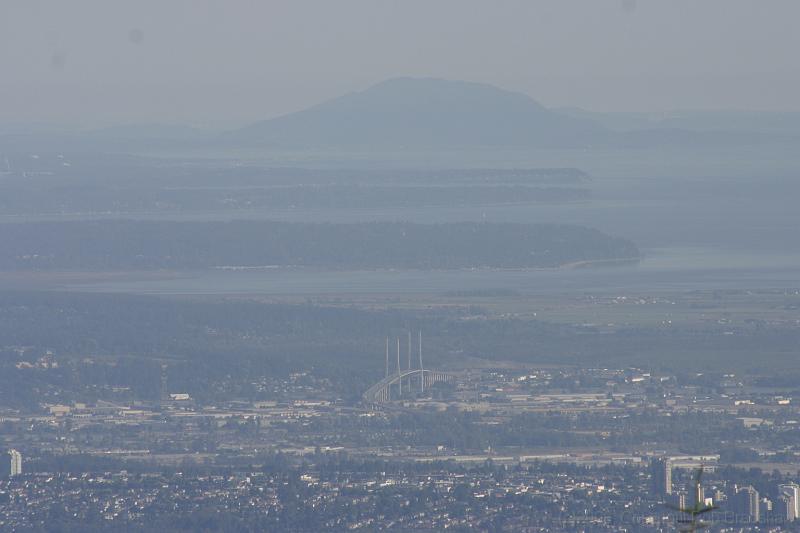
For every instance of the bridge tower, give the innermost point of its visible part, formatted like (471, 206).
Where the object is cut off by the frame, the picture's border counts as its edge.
(399, 372)
(421, 368)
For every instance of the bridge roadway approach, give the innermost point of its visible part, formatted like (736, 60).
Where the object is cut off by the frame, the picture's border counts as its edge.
(382, 390)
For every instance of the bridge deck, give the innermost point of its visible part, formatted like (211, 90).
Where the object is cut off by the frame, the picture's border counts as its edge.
(380, 391)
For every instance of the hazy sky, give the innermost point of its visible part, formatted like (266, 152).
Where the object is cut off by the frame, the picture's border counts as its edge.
(231, 61)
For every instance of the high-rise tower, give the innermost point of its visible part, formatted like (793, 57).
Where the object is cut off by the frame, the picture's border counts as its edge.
(661, 476)
(747, 502)
(16, 462)
(792, 494)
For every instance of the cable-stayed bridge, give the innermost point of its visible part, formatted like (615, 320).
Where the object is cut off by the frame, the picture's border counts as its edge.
(392, 387)
(396, 383)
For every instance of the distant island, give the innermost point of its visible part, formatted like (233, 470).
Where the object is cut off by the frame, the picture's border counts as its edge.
(139, 245)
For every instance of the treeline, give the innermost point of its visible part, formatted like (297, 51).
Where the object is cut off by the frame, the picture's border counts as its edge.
(225, 199)
(111, 245)
(95, 170)
(80, 184)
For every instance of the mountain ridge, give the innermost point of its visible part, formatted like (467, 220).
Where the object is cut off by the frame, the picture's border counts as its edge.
(424, 112)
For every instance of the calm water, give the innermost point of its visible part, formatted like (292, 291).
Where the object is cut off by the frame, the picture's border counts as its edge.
(754, 214)
(707, 220)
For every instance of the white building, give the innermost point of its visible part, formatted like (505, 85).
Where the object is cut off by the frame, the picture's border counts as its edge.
(16, 462)
(792, 494)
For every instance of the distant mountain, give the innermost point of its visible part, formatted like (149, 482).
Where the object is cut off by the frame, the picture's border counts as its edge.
(150, 132)
(119, 139)
(774, 122)
(695, 128)
(424, 112)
